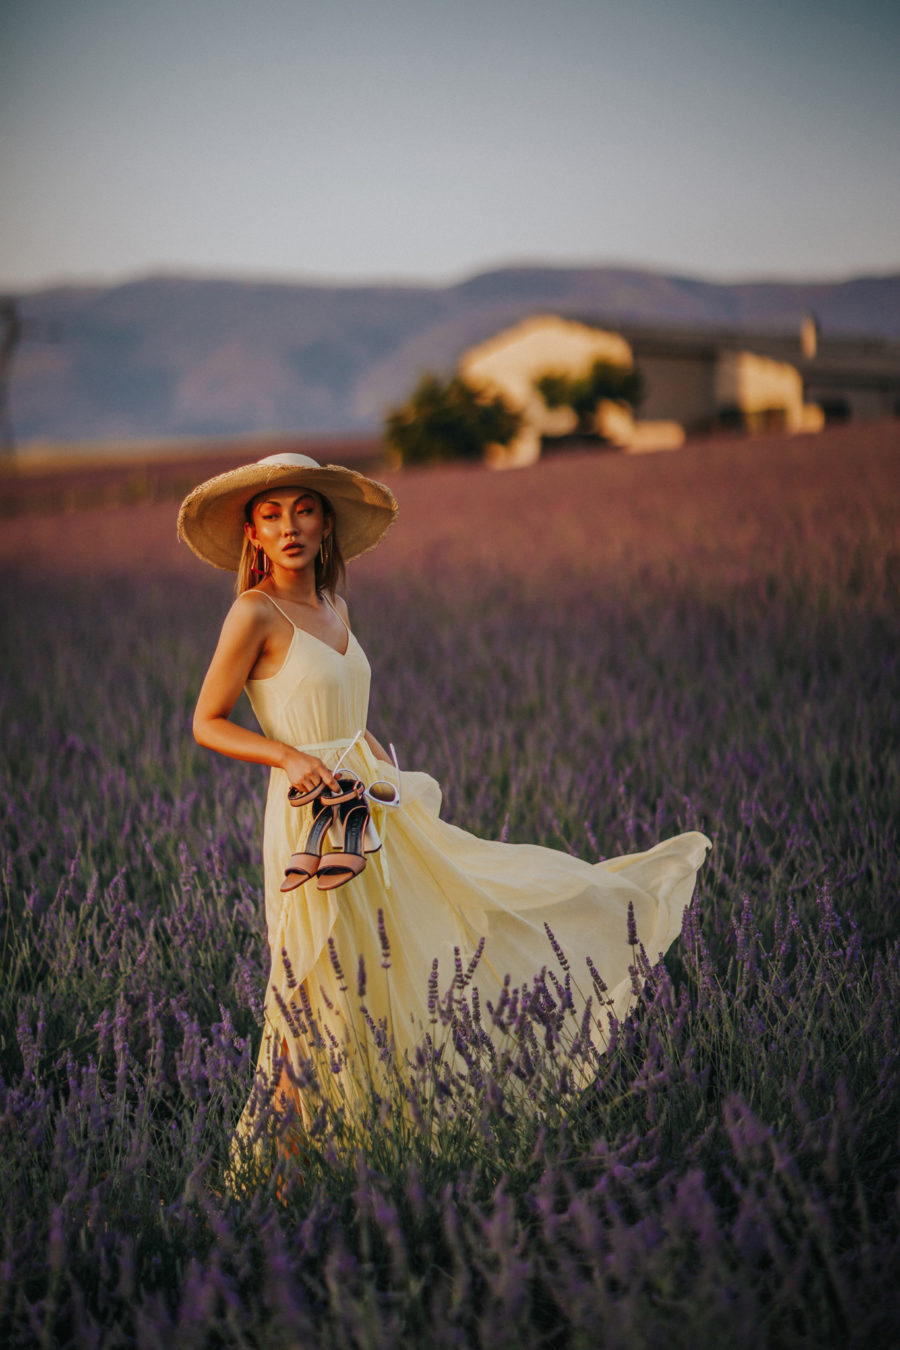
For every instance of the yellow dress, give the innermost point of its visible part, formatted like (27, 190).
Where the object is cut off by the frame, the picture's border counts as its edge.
(438, 887)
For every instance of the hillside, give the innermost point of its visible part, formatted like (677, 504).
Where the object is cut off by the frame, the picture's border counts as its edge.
(169, 356)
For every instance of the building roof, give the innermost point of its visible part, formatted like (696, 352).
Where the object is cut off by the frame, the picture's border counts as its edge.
(838, 356)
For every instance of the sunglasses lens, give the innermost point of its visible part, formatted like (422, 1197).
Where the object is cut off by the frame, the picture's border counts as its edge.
(384, 792)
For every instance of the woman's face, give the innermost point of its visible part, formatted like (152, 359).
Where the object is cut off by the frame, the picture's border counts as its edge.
(288, 524)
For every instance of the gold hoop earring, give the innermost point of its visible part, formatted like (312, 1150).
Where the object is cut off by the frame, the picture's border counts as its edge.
(323, 552)
(260, 564)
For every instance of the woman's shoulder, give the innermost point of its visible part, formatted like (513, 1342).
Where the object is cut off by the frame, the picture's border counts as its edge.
(251, 611)
(253, 601)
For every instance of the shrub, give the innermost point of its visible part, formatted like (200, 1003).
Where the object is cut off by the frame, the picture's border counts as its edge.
(583, 393)
(448, 420)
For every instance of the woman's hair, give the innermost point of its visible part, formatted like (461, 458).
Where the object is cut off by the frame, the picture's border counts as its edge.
(329, 575)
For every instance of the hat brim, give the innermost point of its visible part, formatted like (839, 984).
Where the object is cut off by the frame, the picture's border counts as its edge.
(212, 516)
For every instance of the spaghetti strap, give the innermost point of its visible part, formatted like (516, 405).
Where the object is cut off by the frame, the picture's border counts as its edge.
(333, 609)
(337, 612)
(278, 607)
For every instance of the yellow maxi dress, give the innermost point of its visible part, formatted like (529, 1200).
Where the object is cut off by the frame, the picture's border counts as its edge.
(438, 887)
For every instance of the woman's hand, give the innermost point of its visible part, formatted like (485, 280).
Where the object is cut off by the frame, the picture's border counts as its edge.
(305, 771)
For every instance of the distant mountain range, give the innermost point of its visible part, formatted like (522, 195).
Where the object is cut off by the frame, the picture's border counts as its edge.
(168, 356)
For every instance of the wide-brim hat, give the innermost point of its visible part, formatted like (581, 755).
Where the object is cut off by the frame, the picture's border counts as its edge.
(211, 519)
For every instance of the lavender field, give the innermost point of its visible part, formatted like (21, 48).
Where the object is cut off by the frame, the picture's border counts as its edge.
(591, 655)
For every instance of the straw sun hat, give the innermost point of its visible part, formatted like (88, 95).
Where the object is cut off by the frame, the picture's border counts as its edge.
(211, 519)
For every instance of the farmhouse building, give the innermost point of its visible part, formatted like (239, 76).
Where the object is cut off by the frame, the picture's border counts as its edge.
(693, 381)
(685, 376)
(511, 362)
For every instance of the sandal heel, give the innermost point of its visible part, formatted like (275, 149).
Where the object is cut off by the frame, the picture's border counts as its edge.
(304, 864)
(336, 869)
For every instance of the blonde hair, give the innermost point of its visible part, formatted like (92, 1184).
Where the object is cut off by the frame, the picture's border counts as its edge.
(330, 575)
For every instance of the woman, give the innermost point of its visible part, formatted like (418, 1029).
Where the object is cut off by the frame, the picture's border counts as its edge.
(431, 890)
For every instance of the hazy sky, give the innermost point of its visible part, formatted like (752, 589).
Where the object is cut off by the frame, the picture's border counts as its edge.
(432, 138)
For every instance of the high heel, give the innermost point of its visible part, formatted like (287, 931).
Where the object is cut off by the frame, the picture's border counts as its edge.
(354, 787)
(336, 869)
(303, 865)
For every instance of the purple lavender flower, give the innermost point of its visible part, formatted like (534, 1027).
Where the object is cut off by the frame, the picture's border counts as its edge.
(383, 940)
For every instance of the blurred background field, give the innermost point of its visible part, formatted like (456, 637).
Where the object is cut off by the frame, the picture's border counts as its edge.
(70, 476)
(589, 654)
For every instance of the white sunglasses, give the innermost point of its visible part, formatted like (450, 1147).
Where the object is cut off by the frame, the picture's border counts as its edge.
(381, 792)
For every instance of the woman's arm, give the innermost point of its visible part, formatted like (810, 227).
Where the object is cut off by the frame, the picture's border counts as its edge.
(241, 641)
(377, 748)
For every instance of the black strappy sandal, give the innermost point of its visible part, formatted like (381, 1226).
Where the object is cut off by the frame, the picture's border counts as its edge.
(305, 863)
(336, 869)
(298, 798)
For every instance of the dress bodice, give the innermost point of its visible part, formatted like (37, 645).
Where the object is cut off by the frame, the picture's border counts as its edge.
(319, 695)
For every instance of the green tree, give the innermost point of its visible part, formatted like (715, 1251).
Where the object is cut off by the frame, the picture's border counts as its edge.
(582, 393)
(449, 420)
